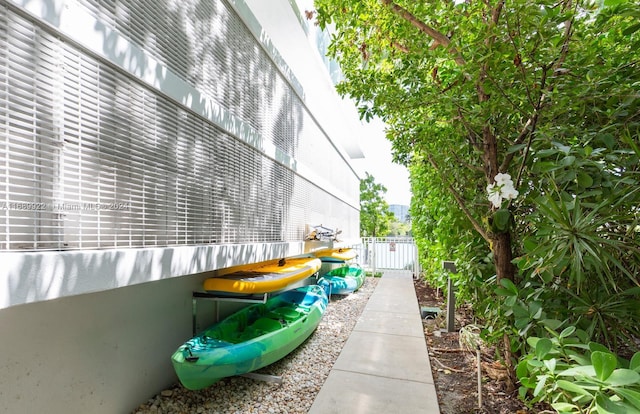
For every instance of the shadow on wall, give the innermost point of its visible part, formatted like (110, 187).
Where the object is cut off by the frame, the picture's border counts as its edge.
(33, 277)
(225, 68)
(204, 184)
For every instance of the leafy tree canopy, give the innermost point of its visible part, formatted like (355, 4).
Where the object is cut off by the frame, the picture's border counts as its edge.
(474, 89)
(375, 216)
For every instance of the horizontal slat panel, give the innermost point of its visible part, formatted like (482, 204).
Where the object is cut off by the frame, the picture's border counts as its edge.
(77, 132)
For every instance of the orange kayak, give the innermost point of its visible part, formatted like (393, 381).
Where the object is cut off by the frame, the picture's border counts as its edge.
(335, 255)
(262, 277)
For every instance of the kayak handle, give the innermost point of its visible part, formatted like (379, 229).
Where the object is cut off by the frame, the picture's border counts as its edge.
(191, 357)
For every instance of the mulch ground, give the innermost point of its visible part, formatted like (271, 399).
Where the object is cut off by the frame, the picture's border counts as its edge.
(454, 367)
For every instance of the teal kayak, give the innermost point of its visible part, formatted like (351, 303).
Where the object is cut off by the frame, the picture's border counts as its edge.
(342, 280)
(251, 338)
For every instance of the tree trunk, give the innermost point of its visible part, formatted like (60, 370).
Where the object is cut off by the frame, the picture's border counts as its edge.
(502, 256)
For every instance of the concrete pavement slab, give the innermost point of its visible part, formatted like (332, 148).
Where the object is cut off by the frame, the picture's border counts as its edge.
(353, 393)
(393, 356)
(392, 323)
(384, 365)
(392, 303)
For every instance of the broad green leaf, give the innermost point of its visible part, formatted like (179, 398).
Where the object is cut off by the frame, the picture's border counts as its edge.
(542, 380)
(563, 407)
(581, 371)
(543, 346)
(522, 371)
(606, 405)
(520, 324)
(594, 346)
(507, 284)
(565, 149)
(603, 364)
(634, 363)
(568, 331)
(551, 323)
(622, 376)
(501, 219)
(584, 179)
(530, 244)
(503, 292)
(528, 382)
(579, 359)
(631, 396)
(608, 140)
(533, 341)
(573, 387)
(551, 364)
(568, 160)
(535, 310)
(522, 392)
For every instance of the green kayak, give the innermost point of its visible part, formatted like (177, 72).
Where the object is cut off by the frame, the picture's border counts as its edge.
(342, 280)
(251, 338)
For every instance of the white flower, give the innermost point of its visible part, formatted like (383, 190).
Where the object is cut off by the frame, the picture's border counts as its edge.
(501, 189)
(503, 179)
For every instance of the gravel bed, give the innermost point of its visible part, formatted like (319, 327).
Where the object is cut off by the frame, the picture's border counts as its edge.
(303, 371)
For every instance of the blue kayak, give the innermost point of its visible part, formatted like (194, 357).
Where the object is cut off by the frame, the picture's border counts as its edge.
(342, 280)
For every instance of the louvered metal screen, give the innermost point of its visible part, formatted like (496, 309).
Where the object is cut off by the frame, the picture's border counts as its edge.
(92, 158)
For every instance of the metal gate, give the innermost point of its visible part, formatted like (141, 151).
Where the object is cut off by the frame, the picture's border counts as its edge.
(383, 253)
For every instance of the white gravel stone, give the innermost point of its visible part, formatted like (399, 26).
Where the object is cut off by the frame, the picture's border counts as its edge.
(303, 371)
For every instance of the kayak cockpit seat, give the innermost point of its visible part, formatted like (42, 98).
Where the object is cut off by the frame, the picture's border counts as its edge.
(261, 326)
(266, 325)
(287, 314)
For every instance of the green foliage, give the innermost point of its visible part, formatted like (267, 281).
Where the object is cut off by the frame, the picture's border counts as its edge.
(546, 91)
(582, 221)
(611, 319)
(530, 309)
(399, 229)
(375, 216)
(443, 233)
(576, 377)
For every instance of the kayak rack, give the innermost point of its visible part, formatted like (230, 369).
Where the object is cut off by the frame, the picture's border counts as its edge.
(276, 379)
(262, 298)
(217, 298)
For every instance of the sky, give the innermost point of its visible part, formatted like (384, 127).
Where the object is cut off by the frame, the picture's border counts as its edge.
(378, 162)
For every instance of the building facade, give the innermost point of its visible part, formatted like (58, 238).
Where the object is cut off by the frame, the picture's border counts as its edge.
(401, 212)
(144, 144)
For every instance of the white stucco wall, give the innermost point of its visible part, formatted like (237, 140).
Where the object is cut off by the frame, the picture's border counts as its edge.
(95, 353)
(93, 330)
(37, 276)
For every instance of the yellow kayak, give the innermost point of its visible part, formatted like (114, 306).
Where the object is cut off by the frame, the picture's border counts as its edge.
(262, 277)
(335, 255)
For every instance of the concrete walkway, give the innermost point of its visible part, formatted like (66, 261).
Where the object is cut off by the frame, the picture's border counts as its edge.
(384, 365)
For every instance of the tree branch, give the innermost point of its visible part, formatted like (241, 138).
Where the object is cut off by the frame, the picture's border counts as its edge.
(472, 133)
(440, 39)
(518, 56)
(568, 29)
(460, 202)
(534, 122)
(400, 47)
(530, 126)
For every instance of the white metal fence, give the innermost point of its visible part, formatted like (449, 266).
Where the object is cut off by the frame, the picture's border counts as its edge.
(383, 253)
